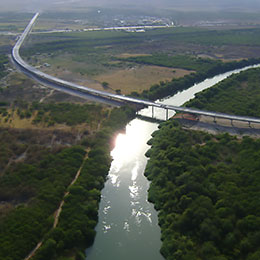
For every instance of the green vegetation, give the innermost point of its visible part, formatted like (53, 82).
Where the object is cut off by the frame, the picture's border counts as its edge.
(93, 49)
(79, 41)
(13, 22)
(179, 61)
(17, 86)
(239, 94)
(216, 37)
(164, 89)
(78, 219)
(3, 61)
(36, 168)
(92, 54)
(206, 187)
(52, 114)
(36, 188)
(207, 190)
(178, 46)
(68, 113)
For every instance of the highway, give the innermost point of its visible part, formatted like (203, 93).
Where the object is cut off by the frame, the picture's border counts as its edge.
(70, 87)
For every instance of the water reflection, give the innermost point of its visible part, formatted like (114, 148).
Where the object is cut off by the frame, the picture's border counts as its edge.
(128, 145)
(181, 97)
(135, 171)
(128, 227)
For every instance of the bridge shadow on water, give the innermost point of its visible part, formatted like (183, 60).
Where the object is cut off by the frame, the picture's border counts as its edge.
(150, 119)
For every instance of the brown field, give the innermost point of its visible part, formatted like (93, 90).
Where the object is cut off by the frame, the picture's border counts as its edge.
(129, 55)
(139, 78)
(77, 78)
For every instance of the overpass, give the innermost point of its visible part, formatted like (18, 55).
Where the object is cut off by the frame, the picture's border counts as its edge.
(102, 96)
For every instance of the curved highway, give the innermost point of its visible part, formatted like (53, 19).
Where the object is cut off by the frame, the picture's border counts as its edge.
(70, 87)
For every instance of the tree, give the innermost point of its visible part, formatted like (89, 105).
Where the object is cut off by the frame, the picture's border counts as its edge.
(47, 250)
(105, 84)
(118, 91)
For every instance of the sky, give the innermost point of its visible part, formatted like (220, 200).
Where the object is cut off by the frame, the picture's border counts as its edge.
(196, 5)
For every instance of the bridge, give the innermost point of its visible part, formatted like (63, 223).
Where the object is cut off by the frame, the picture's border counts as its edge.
(103, 96)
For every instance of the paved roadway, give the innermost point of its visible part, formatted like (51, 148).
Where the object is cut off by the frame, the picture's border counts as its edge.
(79, 90)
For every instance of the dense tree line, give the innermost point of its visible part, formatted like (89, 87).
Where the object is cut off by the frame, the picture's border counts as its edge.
(30, 145)
(78, 219)
(34, 179)
(239, 94)
(36, 188)
(206, 187)
(179, 61)
(209, 69)
(71, 114)
(207, 190)
(75, 231)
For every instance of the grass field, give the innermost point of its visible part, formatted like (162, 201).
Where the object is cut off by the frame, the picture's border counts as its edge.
(127, 78)
(97, 51)
(130, 61)
(139, 78)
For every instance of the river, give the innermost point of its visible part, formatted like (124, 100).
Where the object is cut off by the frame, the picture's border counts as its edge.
(128, 224)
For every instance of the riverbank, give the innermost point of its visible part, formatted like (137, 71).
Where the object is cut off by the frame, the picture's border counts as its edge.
(76, 227)
(128, 224)
(207, 69)
(38, 169)
(206, 190)
(122, 207)
(205, 182)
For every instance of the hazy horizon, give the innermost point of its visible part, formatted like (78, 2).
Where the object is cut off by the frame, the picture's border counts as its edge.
(183, 5)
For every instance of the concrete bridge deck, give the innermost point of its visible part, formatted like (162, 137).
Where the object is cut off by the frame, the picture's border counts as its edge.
(70, 87)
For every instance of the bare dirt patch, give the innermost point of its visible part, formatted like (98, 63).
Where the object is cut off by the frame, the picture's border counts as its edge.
(130, 55)
(137, 78)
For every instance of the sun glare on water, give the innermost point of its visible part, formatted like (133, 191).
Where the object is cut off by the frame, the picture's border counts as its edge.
(126, 145)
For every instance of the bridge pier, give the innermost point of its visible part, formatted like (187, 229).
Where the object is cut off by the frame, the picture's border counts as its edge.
(102, 96)
(152, 111)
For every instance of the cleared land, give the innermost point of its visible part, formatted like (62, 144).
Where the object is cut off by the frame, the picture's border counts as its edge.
(139, 78)
(119, 75)
(129, 61)
(135, 78)
(80, 57)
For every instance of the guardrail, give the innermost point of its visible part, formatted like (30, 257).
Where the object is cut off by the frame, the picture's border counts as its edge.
(105, 95)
